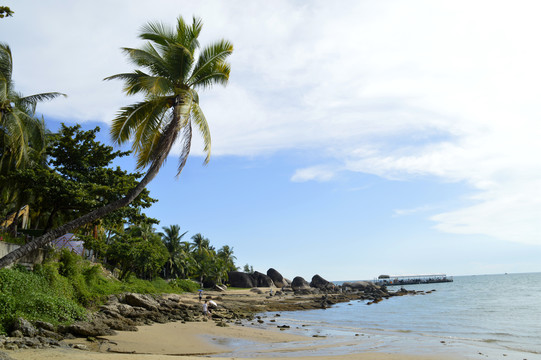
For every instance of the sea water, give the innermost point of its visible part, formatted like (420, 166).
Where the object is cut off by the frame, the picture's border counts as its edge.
(477, 317)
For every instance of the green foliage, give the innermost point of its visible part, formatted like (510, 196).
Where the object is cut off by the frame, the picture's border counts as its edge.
(170, 68)
(184, 285)
(59, 291)
(79, 179)
(7, 237)
(5, 11)
(138, 250)
(33, 296)
(248, 269)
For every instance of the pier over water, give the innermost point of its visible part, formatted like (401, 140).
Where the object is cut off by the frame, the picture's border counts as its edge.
(390, 280)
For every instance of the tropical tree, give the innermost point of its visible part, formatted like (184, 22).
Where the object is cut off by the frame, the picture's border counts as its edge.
(172, 239)
(79, 178)
(19, 128)
(171, 71)
(226, 254)
(138, 249)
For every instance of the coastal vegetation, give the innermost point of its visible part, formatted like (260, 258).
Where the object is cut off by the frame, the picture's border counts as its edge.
(171, 68)
(54, 183)
(60, 290)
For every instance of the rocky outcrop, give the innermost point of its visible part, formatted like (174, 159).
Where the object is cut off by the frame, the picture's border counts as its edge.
(241, 280)
(262, 280)
(120, 313)
(244, 280)
(320, 283)
(276, 278)
(24, 327)
(369, 289)
(299, 283)
(141, 300)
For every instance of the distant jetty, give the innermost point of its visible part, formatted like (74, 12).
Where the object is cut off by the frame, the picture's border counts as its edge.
(391, 280)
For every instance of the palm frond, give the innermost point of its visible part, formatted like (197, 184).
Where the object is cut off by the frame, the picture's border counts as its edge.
(218, 75)
(211, 60)
(186, 136)
(201, 122)
(157, 32)
(129, 118)
(6, 62)
(32, 100)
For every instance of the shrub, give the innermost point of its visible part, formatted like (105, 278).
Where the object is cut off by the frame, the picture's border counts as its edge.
(29, 295)
(184, 285)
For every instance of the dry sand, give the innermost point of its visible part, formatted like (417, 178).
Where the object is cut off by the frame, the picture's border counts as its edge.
(200, 339)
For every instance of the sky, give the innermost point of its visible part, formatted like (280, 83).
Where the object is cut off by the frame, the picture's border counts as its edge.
(355, 138)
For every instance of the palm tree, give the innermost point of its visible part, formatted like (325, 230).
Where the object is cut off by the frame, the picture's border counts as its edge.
(23, 137)
(201, 244)
(172, 239)
(173, 75)
(226, 253)
(20, 130)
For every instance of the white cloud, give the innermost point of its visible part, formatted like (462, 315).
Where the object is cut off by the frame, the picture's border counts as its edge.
(317, 173)
(446, 89)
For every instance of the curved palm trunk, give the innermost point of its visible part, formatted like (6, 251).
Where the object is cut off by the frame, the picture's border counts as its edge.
(166, 142)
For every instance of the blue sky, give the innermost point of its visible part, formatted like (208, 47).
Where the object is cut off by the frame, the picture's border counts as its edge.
(353, 139)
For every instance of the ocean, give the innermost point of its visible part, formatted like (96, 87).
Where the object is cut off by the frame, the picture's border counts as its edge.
(475, 317)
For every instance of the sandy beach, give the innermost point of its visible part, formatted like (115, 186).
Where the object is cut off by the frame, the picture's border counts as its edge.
(193, 340)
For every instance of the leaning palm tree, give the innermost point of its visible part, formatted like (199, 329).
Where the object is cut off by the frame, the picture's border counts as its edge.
(171, 70)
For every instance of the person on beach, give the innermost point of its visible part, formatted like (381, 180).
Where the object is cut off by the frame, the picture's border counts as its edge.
(206, 310)
(200, 295)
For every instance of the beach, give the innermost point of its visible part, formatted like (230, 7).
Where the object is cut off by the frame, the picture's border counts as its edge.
(196, 340)
(192, 340)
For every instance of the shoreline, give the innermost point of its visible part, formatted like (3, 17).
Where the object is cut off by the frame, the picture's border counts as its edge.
(191, 340)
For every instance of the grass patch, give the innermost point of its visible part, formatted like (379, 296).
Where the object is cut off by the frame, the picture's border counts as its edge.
(61, 290)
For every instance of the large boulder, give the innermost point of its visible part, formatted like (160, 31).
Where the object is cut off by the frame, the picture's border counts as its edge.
(299, 283)
(86, 329)
(262, 280)
(321, 284)
(241, 280)
(276, 278)
(141, 300)
(25, 327)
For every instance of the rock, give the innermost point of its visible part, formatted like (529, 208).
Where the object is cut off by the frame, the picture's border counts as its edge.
(17, 334)
(120, 325)
(262, 280)
(50, 334)
(25, 327)
(276, 278)
(320, 283)
(80, 347)
(358, 285)
(256, 290)
(220, 288)
(241, 279)
(299, 283)
(85, 329)
(44, 325)
(141, 300)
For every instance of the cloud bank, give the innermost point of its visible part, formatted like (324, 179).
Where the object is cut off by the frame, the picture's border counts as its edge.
(445, 89)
